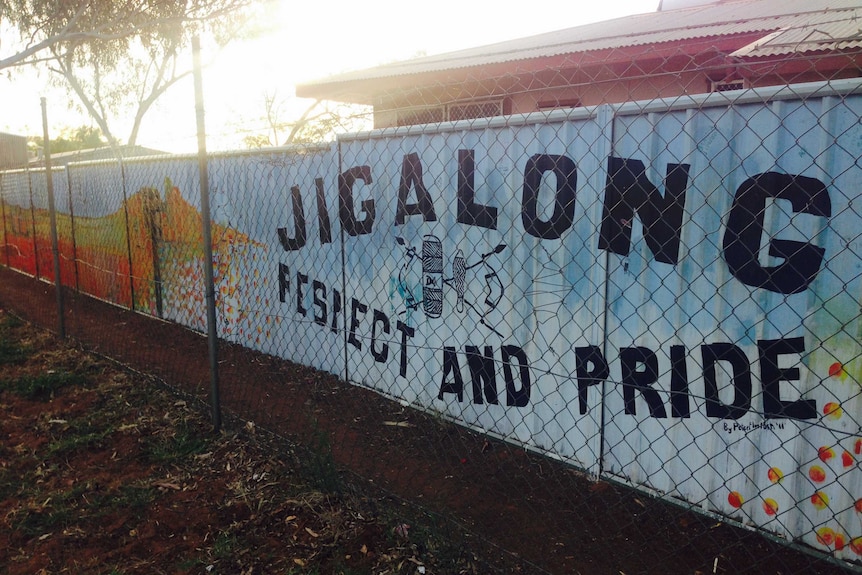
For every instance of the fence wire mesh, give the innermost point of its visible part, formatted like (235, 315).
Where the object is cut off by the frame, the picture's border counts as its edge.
(598, 308)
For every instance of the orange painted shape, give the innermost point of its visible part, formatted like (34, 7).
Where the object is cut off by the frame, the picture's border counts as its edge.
(770, 506)
(840, 541)
(825, 536)
(825, 453)
(820, 500)
(735, 499)
(817, 474)
(836, 369)
(774, 474)
(833, 410)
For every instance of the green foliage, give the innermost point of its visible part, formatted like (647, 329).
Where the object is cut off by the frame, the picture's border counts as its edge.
(44, 386)
(11, 352)
(79, 435)
(117, 57)
(224, 546)
(55, 512)
(319, 467)
(185, 442)
(135, 497)
(71, 139)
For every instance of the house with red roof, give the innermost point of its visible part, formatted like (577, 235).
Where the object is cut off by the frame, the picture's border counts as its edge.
(685, 47)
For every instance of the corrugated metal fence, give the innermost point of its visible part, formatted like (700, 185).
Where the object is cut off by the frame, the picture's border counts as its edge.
(666, 295)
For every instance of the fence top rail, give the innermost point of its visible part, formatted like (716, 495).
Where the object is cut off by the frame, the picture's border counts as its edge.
(193, 156)
(698, 101)
(16, 171)
(279, 150)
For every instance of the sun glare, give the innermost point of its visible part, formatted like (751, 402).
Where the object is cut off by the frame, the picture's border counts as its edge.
(306, 41)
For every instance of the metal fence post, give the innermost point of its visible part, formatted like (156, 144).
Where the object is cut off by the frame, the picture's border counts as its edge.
(212, 335)
(55, 247)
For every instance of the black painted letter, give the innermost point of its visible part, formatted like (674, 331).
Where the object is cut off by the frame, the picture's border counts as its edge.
(406, 331)
(450, 365)
(381, 318)
(741, 380)
(566, 173)
(514, 396)
(679, 401)
(296, 242)
(349, 223)
(585, 356)
(283, 282)
(319, 302)
(745, 228)
(469, 212)
(771, 375)
(411, 177)
(632, 380)
(301, 280)
(323, 213)
(482, 374)
(629, 191)
(357, 307)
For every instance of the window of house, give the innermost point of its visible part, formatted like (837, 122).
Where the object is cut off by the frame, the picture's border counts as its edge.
(473, 110)
(426, 115)
(727, 85)
(560, 104)
(452, 112)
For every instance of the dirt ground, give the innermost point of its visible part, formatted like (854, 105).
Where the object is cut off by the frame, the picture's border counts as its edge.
(104, 472)
(475, 505)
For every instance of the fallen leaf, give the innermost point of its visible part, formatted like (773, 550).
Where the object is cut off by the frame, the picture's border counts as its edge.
(312, 533)
(398, 424)
(363, 550)
(165, 485)
(298, 561)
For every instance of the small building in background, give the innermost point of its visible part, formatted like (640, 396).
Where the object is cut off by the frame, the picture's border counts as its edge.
(685, 47)
(13, 151)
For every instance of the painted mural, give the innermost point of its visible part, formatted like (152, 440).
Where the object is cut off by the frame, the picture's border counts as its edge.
(667, 299)
(124, 257)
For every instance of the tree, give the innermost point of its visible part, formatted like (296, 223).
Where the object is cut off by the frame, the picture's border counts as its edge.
(116, 56)
(320, 122)
(71, 139)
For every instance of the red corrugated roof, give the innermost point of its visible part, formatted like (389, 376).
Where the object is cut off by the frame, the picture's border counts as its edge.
(787, 26)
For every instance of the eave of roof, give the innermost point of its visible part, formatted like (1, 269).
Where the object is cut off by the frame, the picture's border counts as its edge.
(788, 26)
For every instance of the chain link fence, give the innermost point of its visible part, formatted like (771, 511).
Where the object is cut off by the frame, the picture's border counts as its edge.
(623, 335)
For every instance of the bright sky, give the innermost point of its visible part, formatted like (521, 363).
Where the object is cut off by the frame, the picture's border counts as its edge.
(311, 40)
